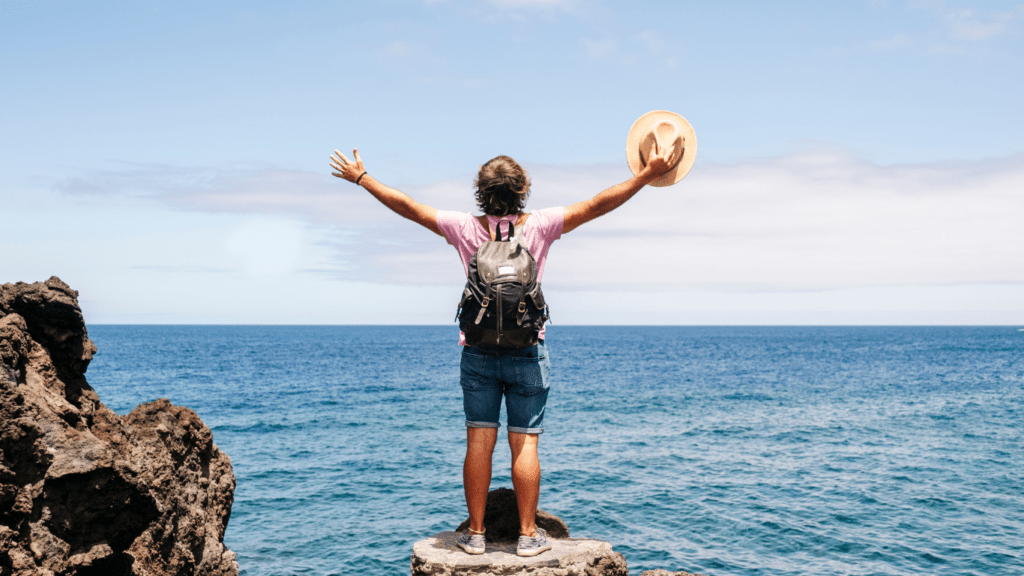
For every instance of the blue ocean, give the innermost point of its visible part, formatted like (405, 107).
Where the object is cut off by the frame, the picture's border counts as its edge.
(720, 450)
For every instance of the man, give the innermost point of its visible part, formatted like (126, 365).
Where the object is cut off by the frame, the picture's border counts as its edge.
(519, 375)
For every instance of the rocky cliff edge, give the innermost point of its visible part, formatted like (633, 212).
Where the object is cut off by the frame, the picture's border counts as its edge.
(84, 491)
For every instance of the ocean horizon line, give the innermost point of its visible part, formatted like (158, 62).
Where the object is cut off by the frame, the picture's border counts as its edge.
(214, 324)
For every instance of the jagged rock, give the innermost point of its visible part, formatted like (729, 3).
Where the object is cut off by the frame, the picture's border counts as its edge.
(660, 572)
(440, 556)
(83, 491)
(501, 518)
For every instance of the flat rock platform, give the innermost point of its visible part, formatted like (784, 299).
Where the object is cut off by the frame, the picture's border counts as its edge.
(440, 556)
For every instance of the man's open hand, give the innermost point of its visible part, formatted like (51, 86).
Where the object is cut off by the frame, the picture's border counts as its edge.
(345, 168)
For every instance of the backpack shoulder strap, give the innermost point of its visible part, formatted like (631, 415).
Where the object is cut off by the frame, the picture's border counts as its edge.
(510, 230)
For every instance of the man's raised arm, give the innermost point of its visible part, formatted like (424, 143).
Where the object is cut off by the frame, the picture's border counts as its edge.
(399, 202)
(582, 212)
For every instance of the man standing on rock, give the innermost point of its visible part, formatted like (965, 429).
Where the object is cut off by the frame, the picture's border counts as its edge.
(519, 375)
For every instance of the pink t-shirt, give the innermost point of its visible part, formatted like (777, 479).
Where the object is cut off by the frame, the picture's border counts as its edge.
(464, 232)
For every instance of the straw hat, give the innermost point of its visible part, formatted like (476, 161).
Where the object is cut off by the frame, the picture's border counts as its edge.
(667, 128)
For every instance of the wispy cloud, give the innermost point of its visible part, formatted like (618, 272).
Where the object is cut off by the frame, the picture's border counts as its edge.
(402, 49)
(937, 7)
(815, 220)
(966, 27)
(977, 30)
(656, 45)
(180, 269)
(646, 46)
(946, 49)
(970, 24)
(412, 56)
(562, 4)
(522, 11)
(1013, 14)
(366, 237)
(894, 43)
(652, 41)
(598, 49)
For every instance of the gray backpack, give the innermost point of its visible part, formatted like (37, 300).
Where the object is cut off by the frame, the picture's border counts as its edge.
(502, 304)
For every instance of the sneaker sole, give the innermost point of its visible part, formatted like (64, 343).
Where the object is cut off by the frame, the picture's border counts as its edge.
(528, 553)
(471, 550)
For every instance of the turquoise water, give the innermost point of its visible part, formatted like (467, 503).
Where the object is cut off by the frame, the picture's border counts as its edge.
(723, 450)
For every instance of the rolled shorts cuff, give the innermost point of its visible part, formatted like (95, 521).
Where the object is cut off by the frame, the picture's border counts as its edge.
(471, 424)
(519, 430)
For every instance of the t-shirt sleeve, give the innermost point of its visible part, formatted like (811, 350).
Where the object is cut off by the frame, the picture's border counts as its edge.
(450, 223)
(549, 223)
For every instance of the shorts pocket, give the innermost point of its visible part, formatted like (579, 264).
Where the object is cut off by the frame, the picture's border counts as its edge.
(475, 371)
(532, 375)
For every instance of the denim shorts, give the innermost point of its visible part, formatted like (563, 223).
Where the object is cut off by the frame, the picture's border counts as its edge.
(520, 375)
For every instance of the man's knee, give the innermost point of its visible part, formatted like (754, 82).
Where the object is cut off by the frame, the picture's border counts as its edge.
(519, 441)
(478, 439)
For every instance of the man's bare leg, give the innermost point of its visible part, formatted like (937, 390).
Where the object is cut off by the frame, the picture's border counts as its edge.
(476, 473)
(525, 479)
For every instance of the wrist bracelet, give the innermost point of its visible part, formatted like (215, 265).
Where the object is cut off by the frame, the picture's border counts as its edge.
(360, 177)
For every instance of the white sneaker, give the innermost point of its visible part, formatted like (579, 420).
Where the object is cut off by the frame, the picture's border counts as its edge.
(472, 543)
(531, 546)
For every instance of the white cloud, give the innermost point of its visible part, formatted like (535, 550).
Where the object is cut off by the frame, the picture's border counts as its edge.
(410, 55)
(1015, 13)
(946, 49)
(816, 220)
(368, 242)
(896, 42)
(651, 40)
(966, 28)
(402, 49)
(653, 43)
(598, 49)
(811, 221)
(656, 45)
(968, 24)
(521, 11)
(976, 30)
(564, 4)
(935, 6)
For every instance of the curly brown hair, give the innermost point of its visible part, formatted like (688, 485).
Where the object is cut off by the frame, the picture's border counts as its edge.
(502, 187)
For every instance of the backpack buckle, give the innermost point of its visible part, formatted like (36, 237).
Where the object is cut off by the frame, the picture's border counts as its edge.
(483, 309)
(522, 307)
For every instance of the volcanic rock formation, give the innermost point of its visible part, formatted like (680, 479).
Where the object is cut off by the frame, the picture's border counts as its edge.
(501, 518)
(84, 491)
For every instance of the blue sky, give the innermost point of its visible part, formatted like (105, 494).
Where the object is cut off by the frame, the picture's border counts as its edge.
(859, 162)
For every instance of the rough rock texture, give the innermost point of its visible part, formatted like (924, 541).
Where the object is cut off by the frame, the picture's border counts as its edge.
(440, 556)
(83, 491)
(501, 518)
